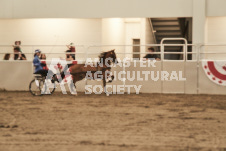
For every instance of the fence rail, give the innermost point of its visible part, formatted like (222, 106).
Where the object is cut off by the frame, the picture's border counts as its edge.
(199, 51)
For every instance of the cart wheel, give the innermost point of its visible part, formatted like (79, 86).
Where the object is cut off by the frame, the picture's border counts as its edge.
(34, 87)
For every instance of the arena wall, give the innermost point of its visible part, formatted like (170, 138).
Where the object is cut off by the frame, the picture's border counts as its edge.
(42, 23)
(94, 8)
(107, 9)
(215, 34)
(16, 76)
(52, 35)
(199, 10)
(51, 32)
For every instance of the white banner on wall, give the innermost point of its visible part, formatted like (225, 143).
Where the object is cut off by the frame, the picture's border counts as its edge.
(215, 71)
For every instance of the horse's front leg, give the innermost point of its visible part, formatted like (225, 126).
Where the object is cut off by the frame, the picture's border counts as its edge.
(72, 86)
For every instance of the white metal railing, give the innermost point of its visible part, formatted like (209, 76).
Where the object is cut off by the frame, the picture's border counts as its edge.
(86, 50)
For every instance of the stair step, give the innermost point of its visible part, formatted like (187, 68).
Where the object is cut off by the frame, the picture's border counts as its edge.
(167, 27)
(170, 42)
(165, 23)
(168, 36)
(155, 21)
(170, 18)
(159, 38)
(173, 42)
(168, 33)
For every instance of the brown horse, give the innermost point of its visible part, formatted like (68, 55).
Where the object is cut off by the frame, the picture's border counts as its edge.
(80, 71)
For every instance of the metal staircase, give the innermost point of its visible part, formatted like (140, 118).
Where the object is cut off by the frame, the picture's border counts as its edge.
(169, 28)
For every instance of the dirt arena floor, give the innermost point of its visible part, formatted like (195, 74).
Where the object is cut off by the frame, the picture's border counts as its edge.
(118, 122)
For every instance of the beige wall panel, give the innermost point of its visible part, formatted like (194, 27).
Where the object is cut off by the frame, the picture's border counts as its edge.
(216, 8)
(15, 75)
(149, 86)
(173, 86)
(80, 85)
(191, 78)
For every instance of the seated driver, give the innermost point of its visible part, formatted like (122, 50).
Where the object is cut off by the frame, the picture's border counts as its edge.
(39, 70)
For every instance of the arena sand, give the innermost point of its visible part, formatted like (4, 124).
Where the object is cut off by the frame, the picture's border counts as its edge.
(118, 122)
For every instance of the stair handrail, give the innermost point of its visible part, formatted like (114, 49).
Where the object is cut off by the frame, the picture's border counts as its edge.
(152, 29)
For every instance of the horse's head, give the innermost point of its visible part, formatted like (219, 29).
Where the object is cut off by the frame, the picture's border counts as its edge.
(111, 54)
(108, 57)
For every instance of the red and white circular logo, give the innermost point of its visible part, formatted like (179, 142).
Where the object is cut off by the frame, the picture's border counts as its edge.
(215, 71)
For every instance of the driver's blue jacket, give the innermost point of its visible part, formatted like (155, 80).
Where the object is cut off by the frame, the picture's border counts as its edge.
(37, 64)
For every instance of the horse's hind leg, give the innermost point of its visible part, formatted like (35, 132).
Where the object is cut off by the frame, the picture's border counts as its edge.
(73, 88)
(105, 89)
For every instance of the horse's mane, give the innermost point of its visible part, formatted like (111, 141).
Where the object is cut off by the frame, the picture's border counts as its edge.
(102, 56)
